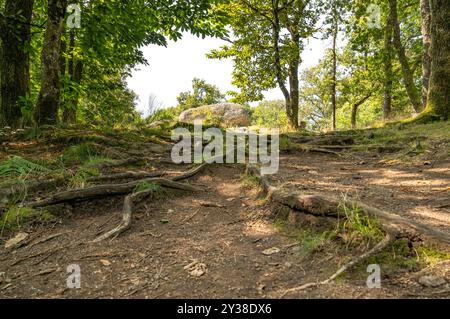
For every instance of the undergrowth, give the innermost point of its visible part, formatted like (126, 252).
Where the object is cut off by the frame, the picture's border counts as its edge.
(17, 217)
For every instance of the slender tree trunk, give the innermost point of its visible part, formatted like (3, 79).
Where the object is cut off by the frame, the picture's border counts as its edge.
(439, 90)
(294, 93)
(388, 70)
(408, 76)
(354, 113)
(355, 108)
(426, 56)
(334, 74)
(278, 69)
(49, 96)
(76, 73)
(15, 66)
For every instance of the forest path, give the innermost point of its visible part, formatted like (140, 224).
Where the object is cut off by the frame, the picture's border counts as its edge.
(223, 231)
(419, 192)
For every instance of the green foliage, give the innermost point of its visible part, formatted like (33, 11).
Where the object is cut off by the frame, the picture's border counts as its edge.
(157, 190)
(79, 153)
(169, 114)
(16, 217)
(402, 256)
(254, 53)
(249, 181)
(87, 170)
(202, 94)
(16, 166)
(310, 240)
(356, 227)
(270, 114)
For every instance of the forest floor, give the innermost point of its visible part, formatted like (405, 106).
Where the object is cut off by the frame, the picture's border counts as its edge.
(227, 240)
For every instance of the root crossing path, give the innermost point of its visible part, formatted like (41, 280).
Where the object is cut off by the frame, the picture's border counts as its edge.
(219, 242)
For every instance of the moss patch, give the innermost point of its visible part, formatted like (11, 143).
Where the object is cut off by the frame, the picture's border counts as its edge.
(17, 217)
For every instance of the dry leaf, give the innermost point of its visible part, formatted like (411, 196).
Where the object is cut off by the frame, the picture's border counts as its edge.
(105, 262)
(20, 237)
(271, 251)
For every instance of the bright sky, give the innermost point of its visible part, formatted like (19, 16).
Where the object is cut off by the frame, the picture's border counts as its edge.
(171, 70)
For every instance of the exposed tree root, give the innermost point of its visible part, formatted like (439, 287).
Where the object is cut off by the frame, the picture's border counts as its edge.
(379, 247)
(393, 225)
(120, 189)
(126, 217)
(106, 190)
(126, 175)
(315, 204)
(131, 199)
(307, 148)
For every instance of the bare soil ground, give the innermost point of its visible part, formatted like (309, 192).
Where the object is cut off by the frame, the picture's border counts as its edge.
(223, 233)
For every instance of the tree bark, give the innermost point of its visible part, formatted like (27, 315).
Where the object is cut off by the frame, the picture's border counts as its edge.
(294, 64)
(15, 66)
(426, 56)
(334, 71)
(295, 94)
(279, 71)
(408, 76)
(388, 71)
(46, 112)
(439, 90)
(355, 109)
(75, 73)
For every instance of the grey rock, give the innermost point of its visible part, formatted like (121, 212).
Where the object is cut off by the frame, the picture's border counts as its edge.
(432, 281)
(223, 114)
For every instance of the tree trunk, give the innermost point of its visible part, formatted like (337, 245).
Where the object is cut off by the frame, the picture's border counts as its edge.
(49, 97)
(278, 69)
(388, 72)
(76, 73)
(15, 66)
(439, 90)
(354, 113)
(426, 57)
(408, 76)
(334, 75)
(294, 93)
(355, 109)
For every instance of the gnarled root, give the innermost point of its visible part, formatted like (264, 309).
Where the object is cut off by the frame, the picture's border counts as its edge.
(394, 226)
(125, 224)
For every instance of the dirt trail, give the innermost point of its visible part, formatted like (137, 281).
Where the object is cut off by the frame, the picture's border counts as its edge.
(229, 239)
(418, 192)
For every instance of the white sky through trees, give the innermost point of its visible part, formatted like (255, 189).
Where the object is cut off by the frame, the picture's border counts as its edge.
(171, 70)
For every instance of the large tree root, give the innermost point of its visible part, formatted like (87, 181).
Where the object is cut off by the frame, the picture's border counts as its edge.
(120, 189)
(320, 205)
(126, 175)
(131, 199)
(393, 225)
(105, 190)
